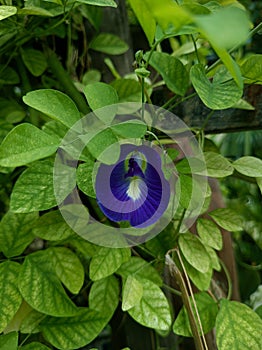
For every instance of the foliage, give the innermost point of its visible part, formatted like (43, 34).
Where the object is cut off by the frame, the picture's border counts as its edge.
(57, 289)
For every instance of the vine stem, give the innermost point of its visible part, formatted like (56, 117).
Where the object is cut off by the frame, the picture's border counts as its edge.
(186, 300)
(229, 293)
(193, 299)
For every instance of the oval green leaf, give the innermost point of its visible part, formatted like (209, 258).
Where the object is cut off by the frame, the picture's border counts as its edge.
(237, 327)
(68, 333)
(7, 11)
(68, 268)
(33, 191)
(153, 310)
(54, 104)
(108, 43)
(219, 94)
(209, 233)
(140, 269)
(10, 297)
(34, 61)
(217, 165)
(252, 69)
(249, 166)
(9, 341)
(41, 288)
(16, 150)
(194, 252)
(172, 71)
(227, 218)
(52, 227)
(104, 295)
(16, 232)
(107, 261)
(132, 293)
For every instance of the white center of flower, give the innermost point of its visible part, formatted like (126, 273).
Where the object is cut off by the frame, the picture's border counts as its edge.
(134, 190)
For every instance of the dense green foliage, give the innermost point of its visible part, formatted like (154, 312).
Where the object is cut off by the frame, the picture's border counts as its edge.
(60, 291)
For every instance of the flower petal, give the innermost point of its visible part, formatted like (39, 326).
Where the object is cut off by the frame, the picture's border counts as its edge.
(130, 191)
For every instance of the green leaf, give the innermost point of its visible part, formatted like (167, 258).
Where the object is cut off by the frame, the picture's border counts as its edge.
(207, 309)
(130, 129)
(31, 319)
(35, 11)
(128, 90)
(172, 71)
(209, 233)
(68, 333)
(33, 191)
(259, 183)
(145, 18)
(16, 232)
(237, 327)
(41, 288)
(10, 298)
(24, 144)
(191, 165)
(226, 27)
(249, 166)
(52, 227)
(217, 165)
(110, 3)
(35, 346)
(140, 269)
(8, 76)
(221, 93)
(251, 69)
(85, 178)
(102, 145)
(242, 104)
(153, 309)
(214, 260)
(108, 43)
(161, 243)
(54, 104)
(132, 293)
(230, 64)
(68, 268)
(99, 95)
(9, 341)
(55, 129)
(107, 261)
(227, 218)
(186, 186)
(7, 11)
(200, 280)
(194, 252)
(11, 111)
(21, 316)
(34, 61)
(87, 249)
(91, 76)
(167, 13)
(104, 296)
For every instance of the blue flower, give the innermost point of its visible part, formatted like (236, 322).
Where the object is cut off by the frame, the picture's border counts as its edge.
(134, 189)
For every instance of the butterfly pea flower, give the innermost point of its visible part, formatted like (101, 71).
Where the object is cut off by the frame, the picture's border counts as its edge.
(134, 189)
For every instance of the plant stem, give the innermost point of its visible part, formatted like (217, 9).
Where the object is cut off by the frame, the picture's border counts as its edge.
(172, 290)
(193, 299)
(65, 80)
(186, 301)
(229, 282)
